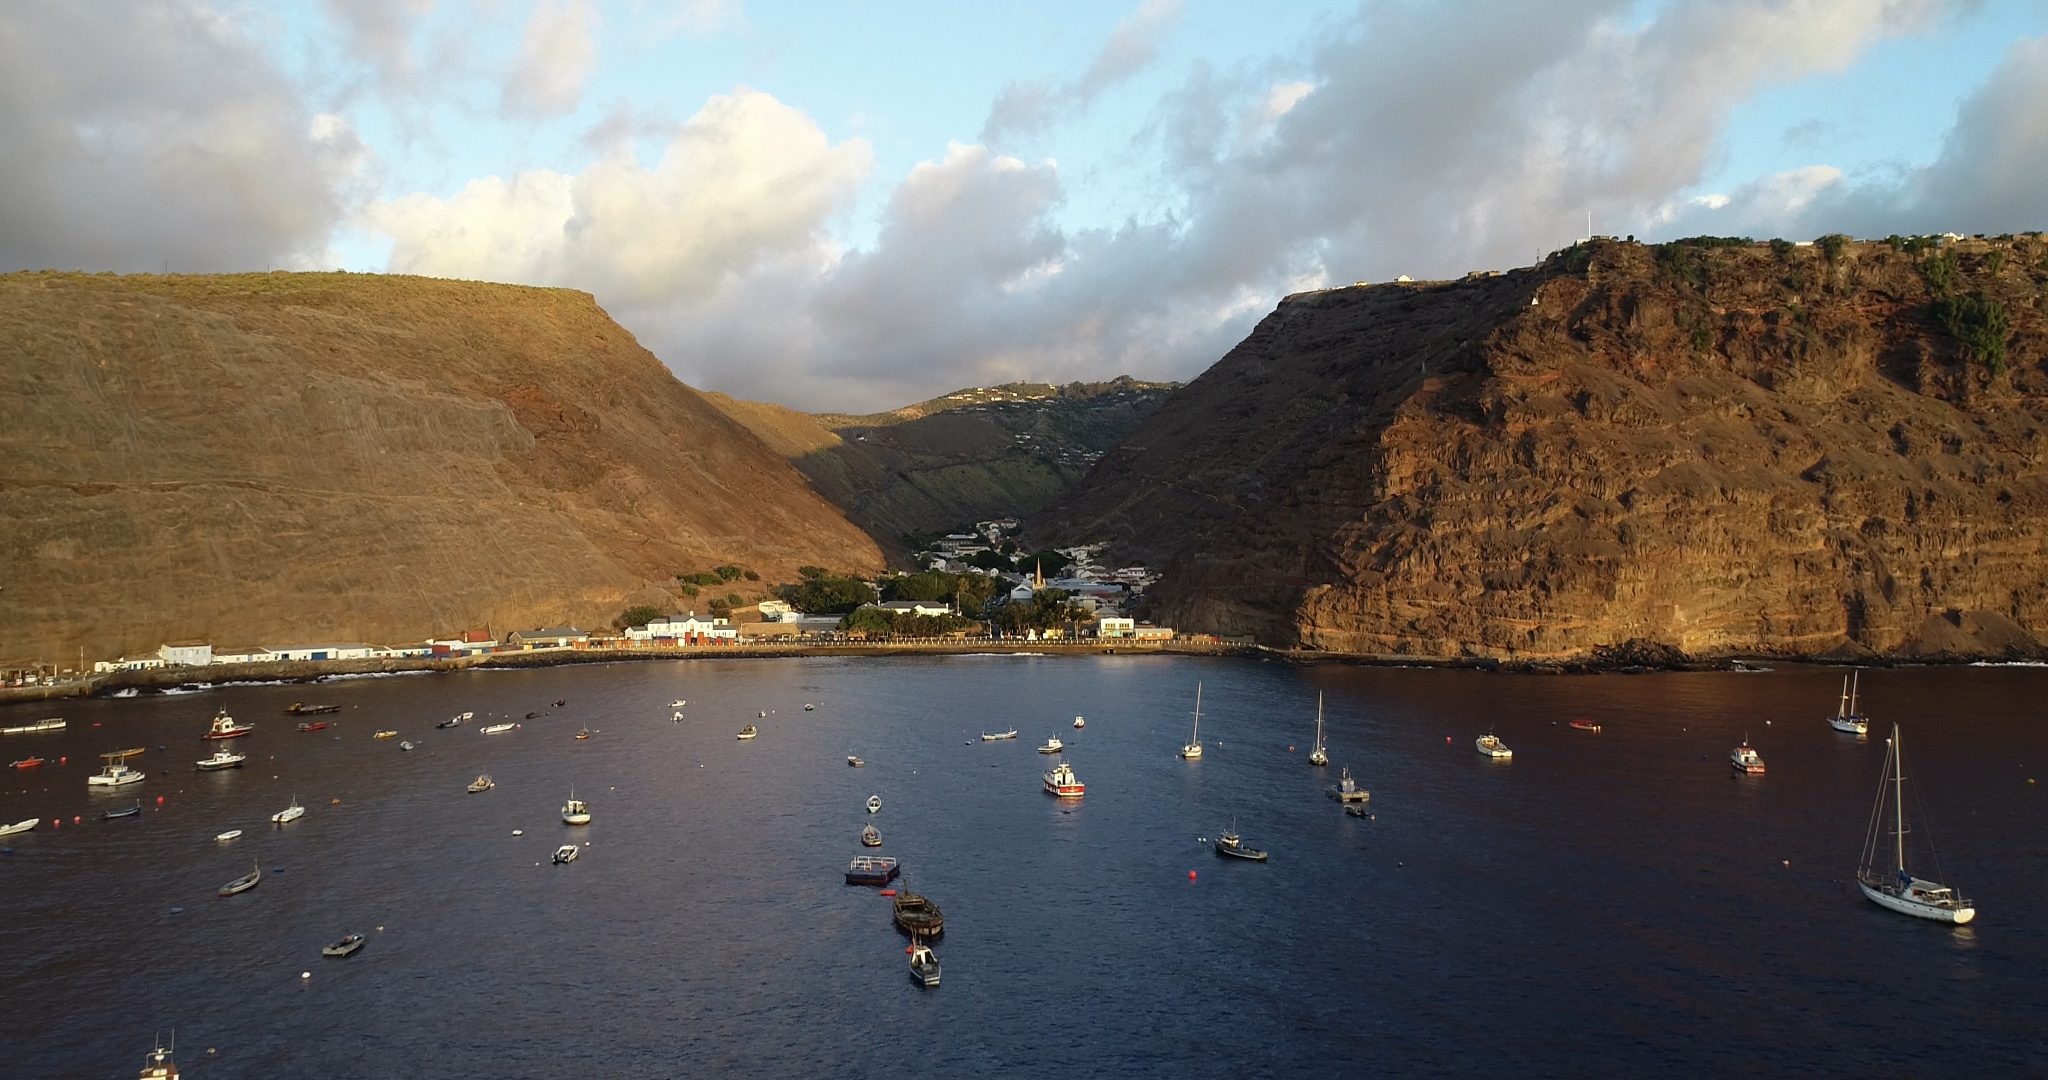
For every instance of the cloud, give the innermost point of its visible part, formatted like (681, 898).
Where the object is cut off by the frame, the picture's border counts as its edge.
(378, 34)
(557, 55)
(141, 137)
(1025, 109)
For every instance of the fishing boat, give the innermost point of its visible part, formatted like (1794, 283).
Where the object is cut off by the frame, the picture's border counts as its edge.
(854, 761)
(582, 734)
(1355, 809)
(1080, 722)
(874, 804)
(116, 773)
(347, 946)
(1061, 781)
(1585, 725)
(290, 813)
(481, 784)
(870, 836)
(1319, 756)
(574, 810)
(999, 736)
(1193, 749)
(159, 1066)
(1346, 790)
(1052, 746)
(749, 732)
(918, 916)
(1889, 884)
(299, 708)
(1745, 759)
(227, 836)
(497, 729)
(225, 727)
(128, 812)
(1490, 745)
(1846, 719)
(55, 723)
(23, 825)
(566, 854)
(317, 725)
(26, 763)
(1232, 846)
(388, 734)
(406, 744)
(223, 758)
(244, 883)
(871, 870)
(924, 965)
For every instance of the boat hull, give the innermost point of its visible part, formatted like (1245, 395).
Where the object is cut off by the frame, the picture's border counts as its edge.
(231, 733)
(1957, 915)
(347, 946)
(20, 826)
(216, 766)
(1245, 853)
(114, 781)
(1849, 726)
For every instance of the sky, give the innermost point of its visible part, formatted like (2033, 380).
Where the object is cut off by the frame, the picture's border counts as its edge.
(855, 206)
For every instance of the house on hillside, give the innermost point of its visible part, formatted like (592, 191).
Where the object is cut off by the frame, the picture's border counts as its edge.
(126, 663)
(468, 643)
(1114, 627)
(775, 610)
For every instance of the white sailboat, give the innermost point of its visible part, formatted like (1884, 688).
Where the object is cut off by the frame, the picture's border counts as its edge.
(1892, 885)
(1193, 749)
(1317, 756)
(1846, 719)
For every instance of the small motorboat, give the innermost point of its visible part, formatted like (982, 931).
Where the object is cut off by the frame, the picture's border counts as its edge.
(244, 883)
(872, 870)
(225, 727)
(406, 744)
(347, 946)
(223, 758)
(561, 701)
(574, 810)
(1052, 746)
(481, 784)
(999, 736)
(129, 812)
(1079, 723)
(1232, 846)
(870, 836)
(874, 804)
(453, 721)
(1745, 759)
(497, 729)
(297, 708)
(531, 715)
(677, 703)
(116, 773)
(1492, 747)
(317, 725)
(918, 916)
(583, 735)
(26, 763)
(854, 761)
(678, 717)
(385, 735)
(808, 707)
(1585, 725)
(55, 723)
(23, 825)
(227, 836)
(1061, 781)
(290, 813)
(566, 853)
(924, 966)
(1355, 809)
(749, 732)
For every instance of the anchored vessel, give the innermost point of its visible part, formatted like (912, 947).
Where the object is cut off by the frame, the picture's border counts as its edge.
(574, 811)
(870, 836)
(1490, 745)
(244, 883)
(1846, 718)
(1061, 781)
(290, 813)
(1745, 759)
(1892, 885)
(924, 965)
(225, 727)
(917, 916)
(116, 773)
(1231, 846)
(872, 870)
(481, 784)
(999, 736)
(223, 758)
(1052, 745)
(1318, 756)
(1347, 789)
(565, 853)
(1193, 749)
(347, 946)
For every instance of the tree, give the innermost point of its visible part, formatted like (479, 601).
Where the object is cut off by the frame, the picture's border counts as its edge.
(638, 615)
(729, 573)
(867, 620)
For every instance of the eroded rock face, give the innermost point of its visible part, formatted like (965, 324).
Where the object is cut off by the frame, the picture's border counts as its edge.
(268, 458)
(1720, 450)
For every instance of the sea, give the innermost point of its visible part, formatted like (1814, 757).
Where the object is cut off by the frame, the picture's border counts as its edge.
(1611, 903)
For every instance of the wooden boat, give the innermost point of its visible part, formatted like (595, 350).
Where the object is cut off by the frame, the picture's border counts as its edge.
(1888, 883)
(55, 723)
(1231, 846)
(26, 763)
(317, 725)
(130, 812)
(481, 784)
(924, 966)
(749, 732)
(918, 916)
(347, 946)
(870, 836)
(999, 736)
(872, 870)
(1585, 725)
(225, 727)
(385, 735)
(566, 854)
(244, 883)
(20, 826)
(297, 708)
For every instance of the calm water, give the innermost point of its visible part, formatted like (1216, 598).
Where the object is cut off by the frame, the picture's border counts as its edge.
(1604, 904)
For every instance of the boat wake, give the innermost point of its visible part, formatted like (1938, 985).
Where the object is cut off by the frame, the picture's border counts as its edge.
(373, 675)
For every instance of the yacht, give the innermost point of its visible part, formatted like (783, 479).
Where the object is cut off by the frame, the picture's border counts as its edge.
(1061, 781)
(1319, 756)
(223, 758)
(1745, 759)
(1052, 746)
(1347, 789)
(1886, 881)
(566, 853)
(1490, 745)
(116, 773)
(1080, 722)
(1193, 749)
(224, 727)
(749, 732)
(924, 965)
(1846, 719)
(290, 813)
(575, 811)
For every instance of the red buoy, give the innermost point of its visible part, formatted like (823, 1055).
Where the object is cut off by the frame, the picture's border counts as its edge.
(888, 892)
(909, 949)
(159, 800)
(1191, 875)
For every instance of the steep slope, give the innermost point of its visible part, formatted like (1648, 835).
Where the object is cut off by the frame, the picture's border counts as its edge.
(1755, 448)
(968, 456)
(258, 457)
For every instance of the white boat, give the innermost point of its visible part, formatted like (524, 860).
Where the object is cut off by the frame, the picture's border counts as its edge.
(1347, 789)
(854, 760)
(1061, 781)
(244, 883)
(1319, 756)
(1846, 719)
(808, 707)
(566, 853)
(1052, 746)
(924, 966)
(497, 729)
(55, 723)
(575, 811)
(405, 744)
(225, 727)
(870, 836)
(1193, 749)
(678, 717)
(874, 804)
(749, 732)
(116, 773)
(223, 758)
(999, 736)
(1892, 885)
(20, 826)
(677, 703)
(227, 836)
(1490, 745)
(481, 784)
(1745, 759)
(1080, 722)
(290, 813)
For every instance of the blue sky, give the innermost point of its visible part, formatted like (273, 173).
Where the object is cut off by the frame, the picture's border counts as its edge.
(841, 206)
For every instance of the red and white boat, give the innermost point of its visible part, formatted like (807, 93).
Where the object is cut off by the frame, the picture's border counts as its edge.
(1585, 725)
(317, 725)
(1745, 759)
(224, 727)
(1060, 781)
(27, 763)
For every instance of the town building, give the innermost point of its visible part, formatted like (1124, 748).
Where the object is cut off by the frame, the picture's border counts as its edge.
(346, 650)
(547, 637)
(686, 627)
(243, 654)
(185, 653)
(916, 607)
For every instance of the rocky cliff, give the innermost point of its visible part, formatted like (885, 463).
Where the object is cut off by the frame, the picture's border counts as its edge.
(1836, 449)
(259, 458)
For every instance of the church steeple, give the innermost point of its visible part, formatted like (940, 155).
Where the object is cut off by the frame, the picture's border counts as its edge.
(1037, 575)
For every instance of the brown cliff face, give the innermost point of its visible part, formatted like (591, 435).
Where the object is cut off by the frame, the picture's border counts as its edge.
(266, 458)
(1732, 449)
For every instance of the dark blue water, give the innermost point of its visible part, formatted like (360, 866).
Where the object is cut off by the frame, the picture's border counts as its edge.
(1615, 903)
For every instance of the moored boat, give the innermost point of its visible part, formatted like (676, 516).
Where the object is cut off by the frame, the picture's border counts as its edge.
(1232, 846)
(1319, 756)
(159, 1066)
(1490, 745)
(128, 812)
(386, 734)
(1061, 781)
(116, 773)
(749, 732)
(55, 723)
(26, 763)
(317, 725)
(872, 870)
(405, 744)
(854, 761)
(566, 854)
(21, 826)
(1346, 790)
(223, 758)
(497, 729)
(874, 804)
(290, 813)
(453, 721)
(918, 916)
(1893, 886)
(481, 784)
(1193, 750)
(1080, 722)
(999, 736)
(347, 946)
(1052, 746)
(244, 883)
(1585, 725)
(870, 836)
(1745, 759)
(574, 810)
(924, 965)
(227, 836)
(582, 734)
(299, 708)
(225, 727)
(1846, 719)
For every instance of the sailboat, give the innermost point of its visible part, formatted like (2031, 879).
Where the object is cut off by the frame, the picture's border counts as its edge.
(1846, 719)
(1317, 756)
(1893, 886)
(1193, 749)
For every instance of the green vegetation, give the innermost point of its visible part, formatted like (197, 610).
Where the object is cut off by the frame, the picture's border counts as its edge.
(1782, 247)
(1913, 245)
(1979, 325)
(729, 573)
(874, 620)
(1994, 261)
(1704, 241)
(1683, 262)
(1047, 609)
(1940, 272)
(820, 593)
(721, 608)
(637, 615)
(968, 593)
(1832, 245)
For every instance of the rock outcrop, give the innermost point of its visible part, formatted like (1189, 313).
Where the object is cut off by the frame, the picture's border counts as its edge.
(1765, 449)
(266, 458)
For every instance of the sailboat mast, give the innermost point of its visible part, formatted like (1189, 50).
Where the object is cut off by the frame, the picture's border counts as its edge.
(1899, 796)
(1198, 715)
(1319, 720)
(1853, 679)
(1843, 708)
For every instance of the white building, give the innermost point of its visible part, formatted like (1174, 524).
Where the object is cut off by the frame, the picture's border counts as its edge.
(349, 650)
(185, 653)
(139, 663)
(775, 610)
(683, 626)
(1112, 626)
(250, 654)
(401, 652)
(917, 607)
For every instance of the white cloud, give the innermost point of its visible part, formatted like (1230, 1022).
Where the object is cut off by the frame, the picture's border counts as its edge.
(1029, 108)
(557, 55)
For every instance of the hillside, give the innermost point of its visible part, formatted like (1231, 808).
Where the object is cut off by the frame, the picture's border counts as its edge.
(273, 457)
(1759, 449)
(968, 456)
